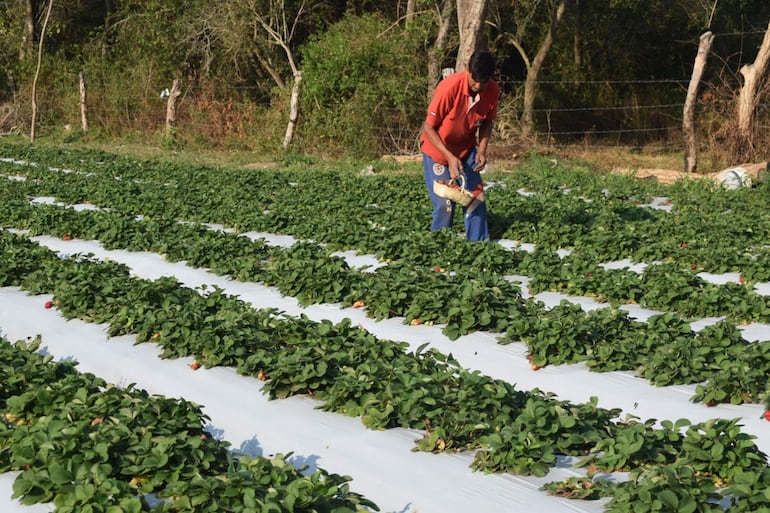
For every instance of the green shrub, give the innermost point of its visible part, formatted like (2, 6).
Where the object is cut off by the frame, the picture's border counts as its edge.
(363, 88)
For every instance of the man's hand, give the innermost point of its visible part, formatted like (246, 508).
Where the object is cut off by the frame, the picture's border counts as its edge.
(455, 166)
(481, 161)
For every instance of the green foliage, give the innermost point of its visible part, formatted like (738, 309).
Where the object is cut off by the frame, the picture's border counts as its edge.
(361, 79)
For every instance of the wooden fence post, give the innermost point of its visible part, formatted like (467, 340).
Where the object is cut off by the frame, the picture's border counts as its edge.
(748, 97)
(293, 111)
(688, 117)
(83, 104)
(171, 107)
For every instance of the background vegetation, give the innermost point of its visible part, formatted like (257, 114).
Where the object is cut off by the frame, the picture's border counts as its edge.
(617, 72)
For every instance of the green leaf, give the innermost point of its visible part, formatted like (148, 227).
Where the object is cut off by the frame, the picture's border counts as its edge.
(58, 473)
(669, 498)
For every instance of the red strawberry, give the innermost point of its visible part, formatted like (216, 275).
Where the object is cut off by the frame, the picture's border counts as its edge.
(766, 415)
(535, 366)
(195, 365)
(48, 304)
(66, 236)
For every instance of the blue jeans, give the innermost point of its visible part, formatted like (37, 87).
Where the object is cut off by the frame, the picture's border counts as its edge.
(475, 214)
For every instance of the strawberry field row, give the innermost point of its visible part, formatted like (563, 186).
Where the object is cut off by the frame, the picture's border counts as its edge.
(674, 285)
(88, 446)
(603, 218)
(354, 373)
(664, 350)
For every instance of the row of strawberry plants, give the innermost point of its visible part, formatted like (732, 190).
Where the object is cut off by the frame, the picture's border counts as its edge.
(601, 217)
(671, 287)
(88, 446)
(723, 365)
(352, 372)
(661, 286)
(340, 364)
(607, 339)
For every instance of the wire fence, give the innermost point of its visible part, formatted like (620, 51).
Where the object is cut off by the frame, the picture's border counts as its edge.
(629, 121)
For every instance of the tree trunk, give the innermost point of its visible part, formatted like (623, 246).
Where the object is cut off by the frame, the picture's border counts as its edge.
(83, 103)
(577, 40)
(175, 92)
(688, 117)
(28, 40)
(293, 110)
(33, 124)
(471, 15)
(436, 54)
(410, 9)
(747, 99)
(533, 69)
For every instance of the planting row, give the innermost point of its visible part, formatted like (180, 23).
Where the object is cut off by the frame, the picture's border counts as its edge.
(672, 286)
(664, 350)
(354, 373)
(604, 218)
(86, 445)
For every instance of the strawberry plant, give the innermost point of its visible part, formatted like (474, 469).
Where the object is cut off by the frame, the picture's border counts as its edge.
(717, 450)
(670, 488)
(635, 444)
(81, 443)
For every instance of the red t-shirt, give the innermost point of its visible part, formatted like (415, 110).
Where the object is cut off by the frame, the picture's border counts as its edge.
(456, 117)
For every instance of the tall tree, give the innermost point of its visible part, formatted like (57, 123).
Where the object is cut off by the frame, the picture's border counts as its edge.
(555, 10)
(33, 124)
(28, 39)
(471, 17)
(437, 52)
(753, 74)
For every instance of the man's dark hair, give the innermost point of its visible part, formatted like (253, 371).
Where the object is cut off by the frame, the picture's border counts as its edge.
(482, 65)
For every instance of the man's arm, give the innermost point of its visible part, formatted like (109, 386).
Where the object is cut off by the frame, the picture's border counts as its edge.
(455, 166)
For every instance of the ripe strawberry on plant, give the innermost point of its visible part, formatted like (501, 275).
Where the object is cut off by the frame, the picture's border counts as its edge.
(195, 365)
(66, 236)
(766, 415)
(48, 304)
(262, 375)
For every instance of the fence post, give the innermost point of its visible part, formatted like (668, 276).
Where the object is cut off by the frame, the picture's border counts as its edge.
(83, 104)
(171, 107)
(688, 122)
